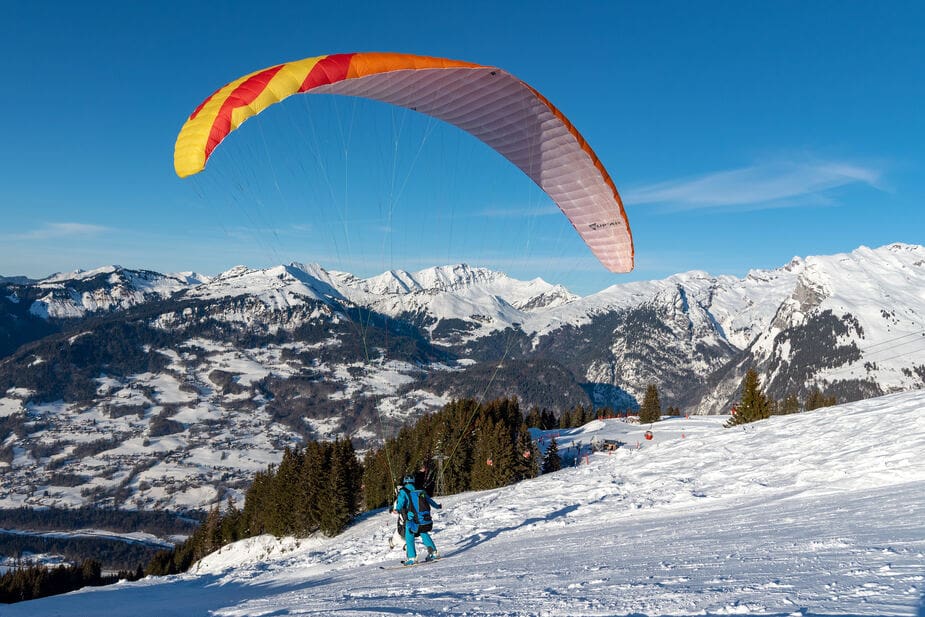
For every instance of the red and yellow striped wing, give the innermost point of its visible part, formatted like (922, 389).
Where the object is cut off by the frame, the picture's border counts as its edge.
(491, 104)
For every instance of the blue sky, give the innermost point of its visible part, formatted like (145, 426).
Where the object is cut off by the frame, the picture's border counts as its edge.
(739, 134)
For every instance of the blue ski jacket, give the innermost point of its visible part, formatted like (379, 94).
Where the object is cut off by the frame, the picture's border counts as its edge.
(408, 501)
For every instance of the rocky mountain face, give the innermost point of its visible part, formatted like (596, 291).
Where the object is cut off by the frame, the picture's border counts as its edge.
(138, 389)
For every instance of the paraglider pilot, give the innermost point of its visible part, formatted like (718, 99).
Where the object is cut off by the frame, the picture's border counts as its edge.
(413, 506)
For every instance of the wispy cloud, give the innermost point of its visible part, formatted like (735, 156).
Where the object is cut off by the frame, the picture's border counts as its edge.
(774, 184)
(64, 230)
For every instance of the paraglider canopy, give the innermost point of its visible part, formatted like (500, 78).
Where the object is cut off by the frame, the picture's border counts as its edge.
(504, 112)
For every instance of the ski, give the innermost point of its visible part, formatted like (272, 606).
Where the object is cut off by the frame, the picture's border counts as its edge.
(414, 565)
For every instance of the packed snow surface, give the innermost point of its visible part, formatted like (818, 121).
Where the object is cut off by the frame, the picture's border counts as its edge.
(820, 513)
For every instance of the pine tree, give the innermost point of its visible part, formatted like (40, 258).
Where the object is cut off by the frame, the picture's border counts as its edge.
(377, 482)
(231, 527)
(353, 473)
(90, 571)
(551, 460)
(651, 410)
(461, 440)
(525, 460)
(534, 419)
(483, 457)
(773, 407)
(549, 420)
(494, 456)
(315, 468)
(212, 532)
(754, 405)
(283, 499)
(565, 420)
(577, 416)
(816, 399)
(257, 504)
(336, 512)
(790, 404)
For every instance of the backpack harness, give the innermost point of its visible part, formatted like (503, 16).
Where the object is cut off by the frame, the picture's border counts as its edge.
(417, 516)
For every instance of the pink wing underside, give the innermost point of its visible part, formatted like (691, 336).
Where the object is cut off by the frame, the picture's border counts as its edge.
(503, 112)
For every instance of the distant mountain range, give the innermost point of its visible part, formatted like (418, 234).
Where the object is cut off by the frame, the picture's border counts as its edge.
(152, 390)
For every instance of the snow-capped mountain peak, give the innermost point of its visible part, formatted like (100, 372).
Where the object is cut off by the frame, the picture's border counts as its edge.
(80, 274)
(849, 303)
(305, 351)
(110, 288)
(276, 287)
(438, 279)
(488, 299)
(191, 278)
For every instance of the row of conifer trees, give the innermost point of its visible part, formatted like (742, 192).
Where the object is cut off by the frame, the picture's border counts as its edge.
(755, 405)
(465, 446)
(321, 487)
(580, 415)
(482, 446)
(33, 582)
(315, 488)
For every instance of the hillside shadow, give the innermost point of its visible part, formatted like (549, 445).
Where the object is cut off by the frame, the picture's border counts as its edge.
(481, 537)
(607, 395)
(201, 595)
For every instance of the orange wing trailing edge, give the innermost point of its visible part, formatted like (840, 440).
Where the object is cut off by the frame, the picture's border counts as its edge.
(491, 104)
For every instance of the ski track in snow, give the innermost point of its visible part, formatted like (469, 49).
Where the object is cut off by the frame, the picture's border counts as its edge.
(821, 513)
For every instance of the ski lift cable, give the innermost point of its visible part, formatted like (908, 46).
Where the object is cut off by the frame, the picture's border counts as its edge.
(896, 346)
(901, 355)
(897, 338)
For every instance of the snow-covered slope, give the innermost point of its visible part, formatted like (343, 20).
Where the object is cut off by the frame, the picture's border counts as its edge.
(853, 324)
(75, 294)
(818, 513)
(278, 287)
(255, 359)
(885, 298)
(486, 300)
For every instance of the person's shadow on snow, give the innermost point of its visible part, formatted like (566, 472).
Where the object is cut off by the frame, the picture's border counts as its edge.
(480, 537)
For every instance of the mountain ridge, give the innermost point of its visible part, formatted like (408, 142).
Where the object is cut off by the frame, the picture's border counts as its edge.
(123, 368)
